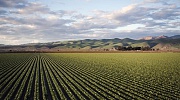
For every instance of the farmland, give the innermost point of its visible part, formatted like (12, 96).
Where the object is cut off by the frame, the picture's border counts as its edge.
(72, 76)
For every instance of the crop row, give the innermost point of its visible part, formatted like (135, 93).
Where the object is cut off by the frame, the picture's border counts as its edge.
(89, 76)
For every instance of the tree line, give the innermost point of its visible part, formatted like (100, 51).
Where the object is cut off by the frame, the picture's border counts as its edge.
(129, 48)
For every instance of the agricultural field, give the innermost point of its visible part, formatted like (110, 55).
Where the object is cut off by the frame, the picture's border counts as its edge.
(79, 76)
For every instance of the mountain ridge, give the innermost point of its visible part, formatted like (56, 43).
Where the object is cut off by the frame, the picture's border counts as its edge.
(155, 37)
(157, 43)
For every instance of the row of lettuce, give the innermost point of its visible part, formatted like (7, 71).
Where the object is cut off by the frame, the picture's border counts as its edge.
(89, 76)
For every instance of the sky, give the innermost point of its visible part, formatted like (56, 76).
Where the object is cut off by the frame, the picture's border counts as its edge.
(39, 21)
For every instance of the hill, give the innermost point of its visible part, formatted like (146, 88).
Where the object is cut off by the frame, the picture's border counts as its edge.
(158, 43)
(175, 37)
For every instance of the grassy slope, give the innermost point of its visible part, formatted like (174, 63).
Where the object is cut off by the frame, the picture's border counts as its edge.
(106, 44)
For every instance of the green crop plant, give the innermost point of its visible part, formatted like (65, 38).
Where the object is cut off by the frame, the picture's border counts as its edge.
(89, 76)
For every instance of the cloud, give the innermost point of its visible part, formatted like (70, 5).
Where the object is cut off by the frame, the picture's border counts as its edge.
(127, 14)
(3, 12)
(65, 13)
(12, 3)
(151, 1)
(23, 22)
(90, 23)
(166, 13)
(32, 8)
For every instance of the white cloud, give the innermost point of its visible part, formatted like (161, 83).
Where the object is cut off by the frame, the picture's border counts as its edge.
(53, 17)
(35, 21)
(151, 1)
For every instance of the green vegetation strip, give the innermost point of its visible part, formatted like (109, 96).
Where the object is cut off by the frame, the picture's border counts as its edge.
(84, 76)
